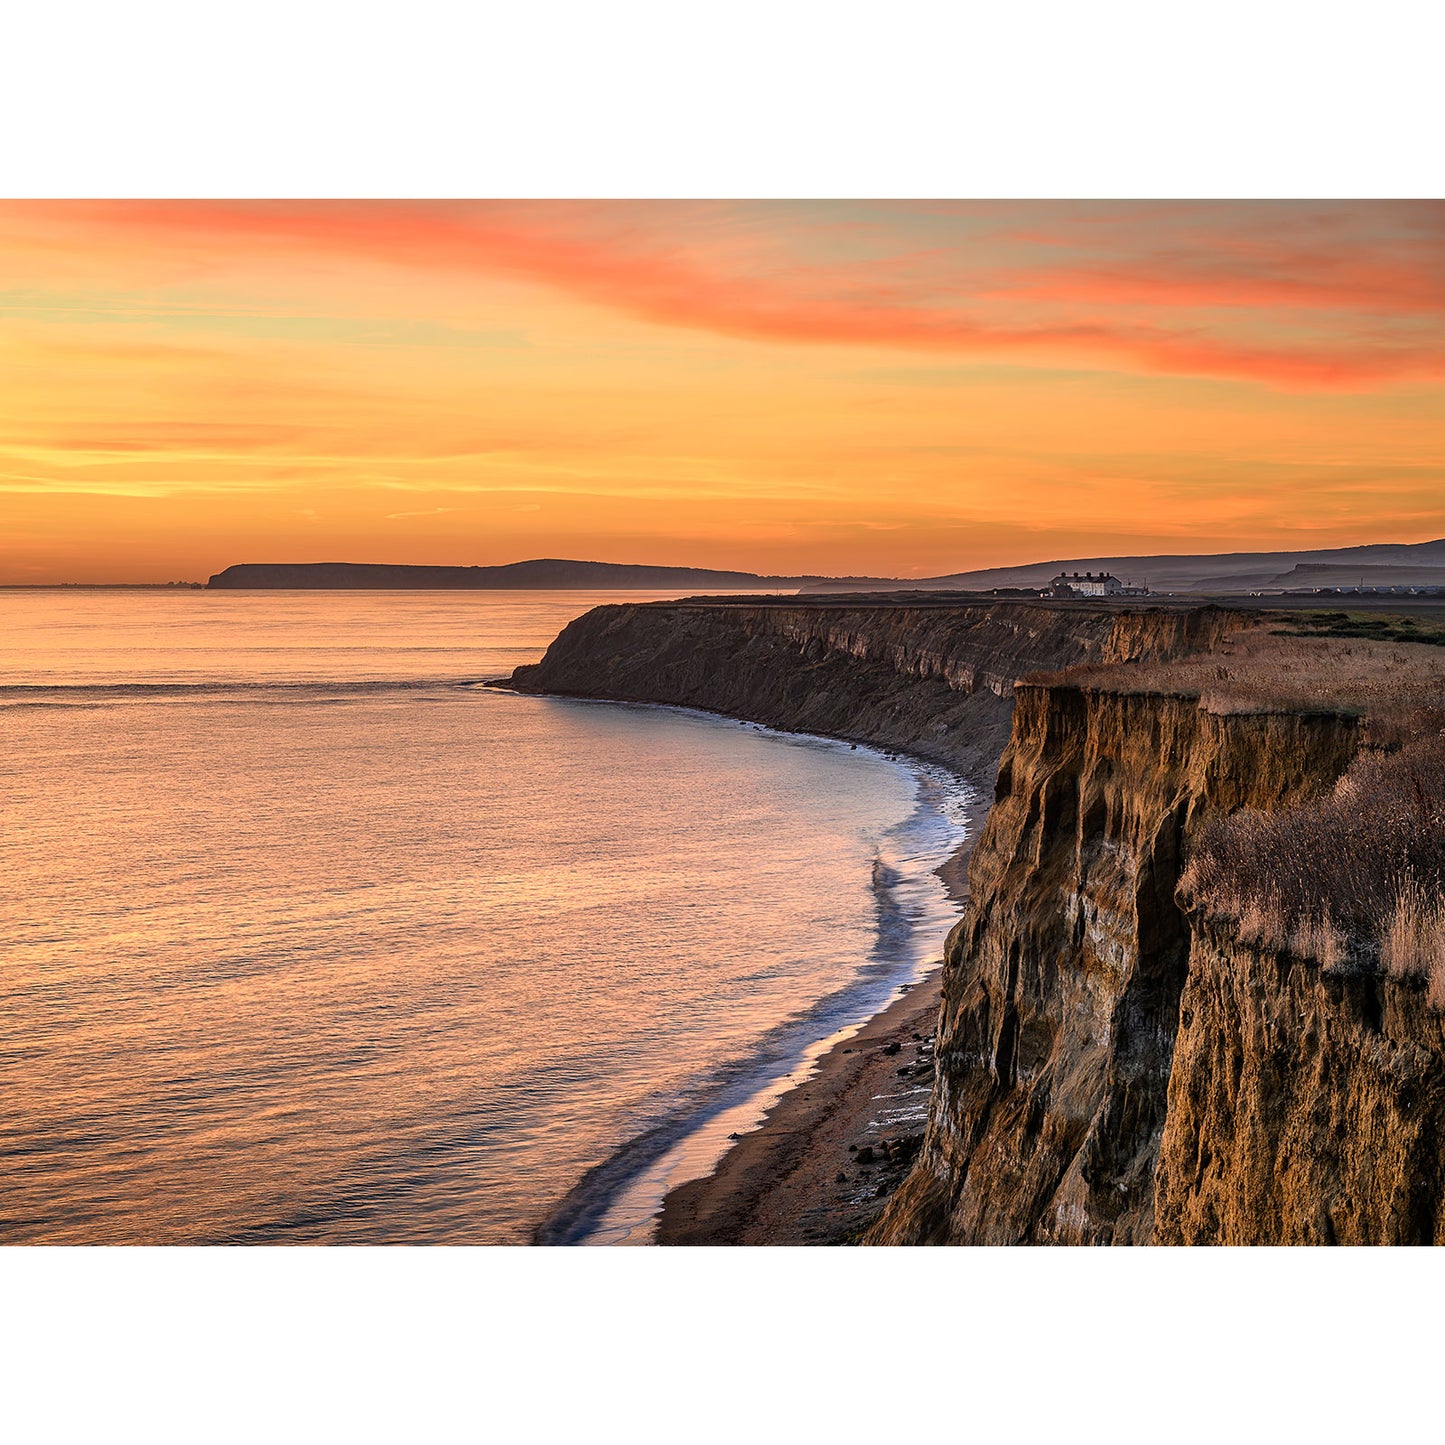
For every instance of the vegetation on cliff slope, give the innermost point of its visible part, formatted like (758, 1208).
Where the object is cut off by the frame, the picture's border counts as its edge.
(1357, 876)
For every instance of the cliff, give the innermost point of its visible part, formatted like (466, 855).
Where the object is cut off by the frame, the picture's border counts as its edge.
(1244, 1050)
(1306, 1103)
(1062, 983)
(932, 676)
(1307, 1098)
(1125, 1052)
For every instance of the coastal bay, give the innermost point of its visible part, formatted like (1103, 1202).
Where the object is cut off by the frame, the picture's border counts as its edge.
(319, 941)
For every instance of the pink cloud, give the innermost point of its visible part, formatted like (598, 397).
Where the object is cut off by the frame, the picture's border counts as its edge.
(1304, 297)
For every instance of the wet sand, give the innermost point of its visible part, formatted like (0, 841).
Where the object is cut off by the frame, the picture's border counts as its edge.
(779, 1184)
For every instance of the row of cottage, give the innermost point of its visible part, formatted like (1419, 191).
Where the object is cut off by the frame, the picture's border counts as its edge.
(1090, 584)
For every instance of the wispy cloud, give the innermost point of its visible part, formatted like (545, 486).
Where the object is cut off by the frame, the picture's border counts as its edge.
(1307, 296)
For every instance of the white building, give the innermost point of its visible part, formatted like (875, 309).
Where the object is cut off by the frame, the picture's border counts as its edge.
(1092, 584)
(1086, 584)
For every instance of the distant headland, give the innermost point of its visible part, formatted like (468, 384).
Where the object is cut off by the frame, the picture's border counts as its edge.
(1373, 565)
(1377, 567)
(544, 573)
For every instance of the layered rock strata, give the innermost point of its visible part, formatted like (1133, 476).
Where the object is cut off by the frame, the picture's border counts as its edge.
(935, 678)
(1063, 982)
(1306, 1103)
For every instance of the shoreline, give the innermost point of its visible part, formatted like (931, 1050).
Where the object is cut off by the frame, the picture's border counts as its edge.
(780, 1182)
(792, 1177)
(800, 1176)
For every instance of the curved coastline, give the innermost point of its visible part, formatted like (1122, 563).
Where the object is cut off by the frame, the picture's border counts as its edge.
(918, 676)
(620, 1200)
(1112, 771)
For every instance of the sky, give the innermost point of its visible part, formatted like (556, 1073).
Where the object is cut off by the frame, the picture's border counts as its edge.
(882, 388)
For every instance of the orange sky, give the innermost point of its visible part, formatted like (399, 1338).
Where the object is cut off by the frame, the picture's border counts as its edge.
(889, 388)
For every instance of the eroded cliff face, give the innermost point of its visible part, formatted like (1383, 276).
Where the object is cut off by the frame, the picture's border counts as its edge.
(1113, 1066)
(935, 678)
(1306, 1104)
(1063, 982)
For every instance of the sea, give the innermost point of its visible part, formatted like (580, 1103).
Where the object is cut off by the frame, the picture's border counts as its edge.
(307, 936)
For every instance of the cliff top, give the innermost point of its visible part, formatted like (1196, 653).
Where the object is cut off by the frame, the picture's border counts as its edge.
(1384, 670)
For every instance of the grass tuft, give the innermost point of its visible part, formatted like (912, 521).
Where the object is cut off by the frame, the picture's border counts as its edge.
(1412, 942)
(1358, 873)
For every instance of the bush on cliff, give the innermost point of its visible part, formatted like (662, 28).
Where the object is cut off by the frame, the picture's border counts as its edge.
(1358, 874)
(1412, 944)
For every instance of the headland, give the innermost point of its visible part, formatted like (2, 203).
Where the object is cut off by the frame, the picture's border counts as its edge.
(1196, 994)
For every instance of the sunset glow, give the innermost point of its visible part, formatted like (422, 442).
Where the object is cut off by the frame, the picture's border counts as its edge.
(885, 388)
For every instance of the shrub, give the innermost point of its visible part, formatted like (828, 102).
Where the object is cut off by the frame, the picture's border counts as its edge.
(1360, 871)
(1412, 942)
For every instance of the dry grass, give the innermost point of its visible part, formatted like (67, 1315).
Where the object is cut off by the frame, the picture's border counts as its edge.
(1258, 918)
(1412, 943)
(1357, 874)
(1316, 937)
(1262, 669)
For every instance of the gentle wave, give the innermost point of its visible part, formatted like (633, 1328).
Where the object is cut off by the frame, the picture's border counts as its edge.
(311, 939)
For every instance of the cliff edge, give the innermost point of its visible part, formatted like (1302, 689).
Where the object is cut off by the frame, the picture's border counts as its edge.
(1182, 1006)
(933, 676)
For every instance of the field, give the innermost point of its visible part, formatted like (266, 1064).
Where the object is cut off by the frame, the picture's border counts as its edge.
(1384, 671)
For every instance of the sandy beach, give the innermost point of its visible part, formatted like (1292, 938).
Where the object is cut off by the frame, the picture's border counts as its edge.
(820, 1166)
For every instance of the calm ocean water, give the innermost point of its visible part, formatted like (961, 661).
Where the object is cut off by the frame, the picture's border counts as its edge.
(305, 937)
